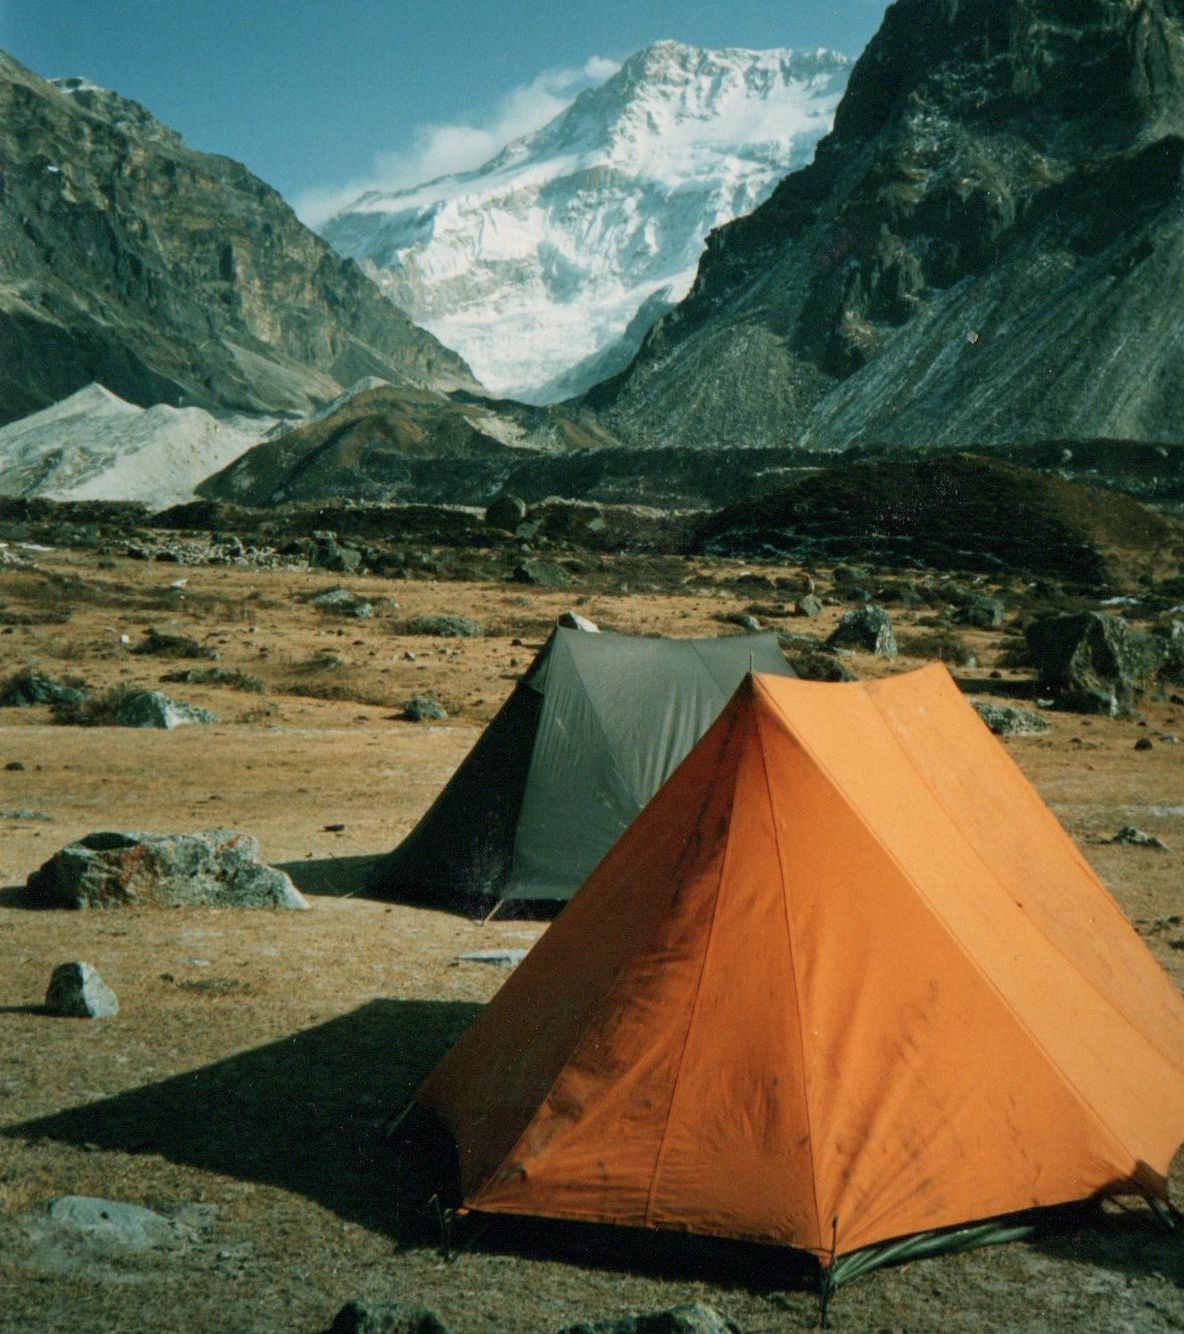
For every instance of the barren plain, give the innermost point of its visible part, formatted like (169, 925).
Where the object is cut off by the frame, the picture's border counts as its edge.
(244, 1084)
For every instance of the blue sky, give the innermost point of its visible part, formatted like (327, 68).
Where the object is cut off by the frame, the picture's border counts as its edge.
(317, 96)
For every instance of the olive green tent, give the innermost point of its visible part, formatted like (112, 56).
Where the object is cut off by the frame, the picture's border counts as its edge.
(594, 728)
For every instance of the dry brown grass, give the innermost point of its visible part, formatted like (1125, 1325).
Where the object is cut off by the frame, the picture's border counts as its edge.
(256, 1054)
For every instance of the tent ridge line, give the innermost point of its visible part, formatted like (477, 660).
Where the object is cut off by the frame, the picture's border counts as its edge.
(992, 986)
(659, 1157)
(1108, 898)
(797, 991)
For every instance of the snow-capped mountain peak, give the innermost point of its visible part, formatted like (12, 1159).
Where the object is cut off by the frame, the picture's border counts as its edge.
(536, 265)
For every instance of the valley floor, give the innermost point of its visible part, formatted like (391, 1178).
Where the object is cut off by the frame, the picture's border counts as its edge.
(255, 1057)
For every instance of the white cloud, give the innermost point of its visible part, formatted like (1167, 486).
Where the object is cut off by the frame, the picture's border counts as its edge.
(442, 150)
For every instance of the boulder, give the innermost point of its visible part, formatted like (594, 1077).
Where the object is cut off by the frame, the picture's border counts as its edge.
(688, 1318)
(981, 613)
(219, 867)
(327, 553)
(151, 708)
(344, 603)
(541, 573)
(810, 605)
(867, 628)
(423, 708)
(367, 1317)
(30, 687)
(1006, 720)
(77, 990)
(1085, 658)
(445, 627)
(572, 620)
(506, 513)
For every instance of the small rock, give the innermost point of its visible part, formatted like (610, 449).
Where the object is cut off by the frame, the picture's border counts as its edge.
(77, 990)
(218, 867)
(1144, 743)
(366, 1317)
(1006, 720)
(868, 628)
(810, 605)
(744, 620)
(445, 627)
(1136, 838)
(572, 620)
(423, 708)
(495, 958)
(15, 767)
(345, 603)
(112, 1220)
(541, 573)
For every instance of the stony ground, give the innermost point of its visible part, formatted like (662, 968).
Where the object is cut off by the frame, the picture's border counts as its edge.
(256, 1055)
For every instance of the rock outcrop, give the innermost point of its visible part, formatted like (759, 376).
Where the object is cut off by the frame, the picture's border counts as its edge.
(988, 247)
(171, 276)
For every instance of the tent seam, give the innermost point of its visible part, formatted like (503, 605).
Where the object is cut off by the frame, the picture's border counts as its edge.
(962, 948)
(695, 1006)
(797, 992)
(1079, 859)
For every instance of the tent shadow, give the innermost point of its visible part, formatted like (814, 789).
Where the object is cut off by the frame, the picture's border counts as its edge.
(304, 1113)
(333, 877)
(1134, 1244)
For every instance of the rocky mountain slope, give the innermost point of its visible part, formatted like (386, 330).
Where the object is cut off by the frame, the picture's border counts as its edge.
(546, 266)
(169, 275)
(96, 446)
(383, 443)
(989, 247)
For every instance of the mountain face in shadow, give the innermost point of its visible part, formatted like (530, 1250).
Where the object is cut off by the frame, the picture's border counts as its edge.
(987, 248)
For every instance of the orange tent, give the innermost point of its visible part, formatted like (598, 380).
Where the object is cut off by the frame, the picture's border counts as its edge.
(844, 980)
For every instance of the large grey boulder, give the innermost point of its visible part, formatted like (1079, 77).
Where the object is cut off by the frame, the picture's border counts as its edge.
(866, 628)
(366, 1317)
(687, 1318)
(218, 867)
(1086, 658)
(77, 991)
(151, 708)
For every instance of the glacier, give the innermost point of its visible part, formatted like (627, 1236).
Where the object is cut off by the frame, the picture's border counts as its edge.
(545, 267)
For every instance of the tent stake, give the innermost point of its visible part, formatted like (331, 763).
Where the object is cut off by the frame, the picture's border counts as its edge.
(492, 913)
(828, 1283)
(444, 1219)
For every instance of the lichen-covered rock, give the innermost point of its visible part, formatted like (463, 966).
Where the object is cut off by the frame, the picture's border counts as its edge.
(1090, 655)
(218, 867)
(344, 603)
(77, 990)
(981, 613)
(1006, 720)
(867, 628)
(809, 605)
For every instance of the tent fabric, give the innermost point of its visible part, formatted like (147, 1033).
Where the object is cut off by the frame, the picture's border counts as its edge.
(845, 980)
(595, 727)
